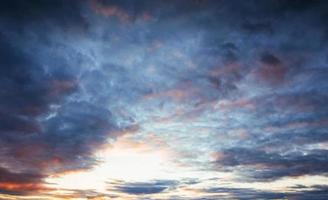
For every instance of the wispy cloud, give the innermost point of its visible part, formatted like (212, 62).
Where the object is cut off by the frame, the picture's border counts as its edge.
(170, 99)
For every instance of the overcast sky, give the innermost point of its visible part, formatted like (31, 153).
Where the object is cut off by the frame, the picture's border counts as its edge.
(152, 100)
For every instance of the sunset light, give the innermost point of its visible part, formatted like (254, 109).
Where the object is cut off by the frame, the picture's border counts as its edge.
(163, 99)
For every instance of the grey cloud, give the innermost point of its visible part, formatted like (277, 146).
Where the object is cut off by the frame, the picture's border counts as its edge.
(142, 188)
(270, 166)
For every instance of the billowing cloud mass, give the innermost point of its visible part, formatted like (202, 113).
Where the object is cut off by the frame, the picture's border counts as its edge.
(197, 99)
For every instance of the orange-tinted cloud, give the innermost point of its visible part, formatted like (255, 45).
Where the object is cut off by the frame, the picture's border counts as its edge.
(59, 87)
(20, 183)
(110, 10)
(12, 187)
(180, 92)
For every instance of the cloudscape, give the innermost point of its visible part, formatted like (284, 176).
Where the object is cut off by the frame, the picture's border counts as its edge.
(163, 99)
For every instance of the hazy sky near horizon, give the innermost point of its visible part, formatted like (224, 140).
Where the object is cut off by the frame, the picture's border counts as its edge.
(152, 100)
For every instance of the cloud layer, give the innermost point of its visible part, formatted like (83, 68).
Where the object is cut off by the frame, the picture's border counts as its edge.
(231, 87)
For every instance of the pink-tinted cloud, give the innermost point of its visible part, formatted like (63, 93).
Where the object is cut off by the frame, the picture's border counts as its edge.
(110, 10)
(271, 70)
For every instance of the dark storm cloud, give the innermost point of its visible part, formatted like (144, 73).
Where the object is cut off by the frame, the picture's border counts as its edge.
(27, 89)
(142, 188)
(46, 125)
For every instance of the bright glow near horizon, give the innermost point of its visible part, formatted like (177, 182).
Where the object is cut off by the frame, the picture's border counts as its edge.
(141, 99)
(125, 161)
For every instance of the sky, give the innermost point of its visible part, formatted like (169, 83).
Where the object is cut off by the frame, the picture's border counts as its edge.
(163, 99)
